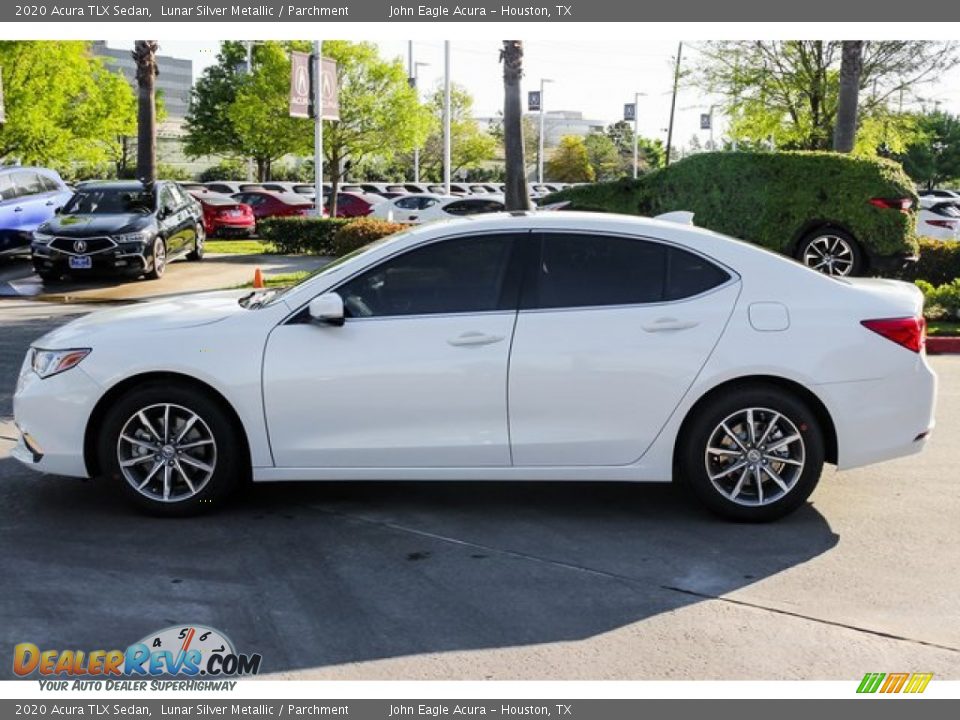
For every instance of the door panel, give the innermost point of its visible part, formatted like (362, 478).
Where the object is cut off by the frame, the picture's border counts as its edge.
(594, 384)
(390, 392)
(417, 374)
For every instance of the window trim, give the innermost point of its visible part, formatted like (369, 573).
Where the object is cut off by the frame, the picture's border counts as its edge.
(521, 237)
(533, 268)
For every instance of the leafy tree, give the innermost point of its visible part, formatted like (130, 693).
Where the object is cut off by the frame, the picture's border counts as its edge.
(63, 104)
(650, 153)
(789, 90)
(379, 111)
(529, 127)
(570, 161)
(470, 146)
(208, 126)
(934, 159)
(603, 156)
(260, 113)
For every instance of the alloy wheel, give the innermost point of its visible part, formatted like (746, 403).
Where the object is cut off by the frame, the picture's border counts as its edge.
(159, 256)
(755, 456)
(830, 254)
(167, 452)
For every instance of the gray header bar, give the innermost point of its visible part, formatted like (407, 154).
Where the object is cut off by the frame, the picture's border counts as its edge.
(299, 11)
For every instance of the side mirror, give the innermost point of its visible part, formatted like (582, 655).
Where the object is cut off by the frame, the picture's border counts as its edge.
(327, 309)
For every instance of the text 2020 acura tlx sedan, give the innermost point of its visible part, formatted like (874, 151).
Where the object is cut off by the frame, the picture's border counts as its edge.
(526, 346)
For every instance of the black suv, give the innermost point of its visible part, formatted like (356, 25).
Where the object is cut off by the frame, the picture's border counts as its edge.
(119, 227)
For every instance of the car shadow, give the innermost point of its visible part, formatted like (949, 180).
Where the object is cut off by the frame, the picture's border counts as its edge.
(319, 574)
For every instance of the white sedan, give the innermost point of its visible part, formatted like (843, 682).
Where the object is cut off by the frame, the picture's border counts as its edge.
(426, 207)
(939, 219)
(529, 346)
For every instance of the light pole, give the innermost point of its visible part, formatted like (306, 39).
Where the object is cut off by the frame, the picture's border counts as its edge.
(446, 117)
(249, 46)
(636, 131)
(318, 130)
(543, 81)
(416, 89)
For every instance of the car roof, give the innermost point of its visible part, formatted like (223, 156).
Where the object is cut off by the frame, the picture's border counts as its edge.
(116, 184)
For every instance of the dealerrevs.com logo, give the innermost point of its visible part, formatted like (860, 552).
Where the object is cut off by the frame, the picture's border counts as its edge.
(191, 651)
(893, 683)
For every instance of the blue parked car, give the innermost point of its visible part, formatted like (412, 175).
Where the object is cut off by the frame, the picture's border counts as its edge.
(29, 196)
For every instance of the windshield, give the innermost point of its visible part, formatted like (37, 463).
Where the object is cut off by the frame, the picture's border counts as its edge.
(110, 201)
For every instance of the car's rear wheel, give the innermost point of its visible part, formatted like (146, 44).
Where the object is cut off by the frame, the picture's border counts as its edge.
(832, 252)
(753, 455)
(171, 449)
(158, 264)
(197, 252)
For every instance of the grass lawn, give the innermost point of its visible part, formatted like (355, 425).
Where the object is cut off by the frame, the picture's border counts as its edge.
(238, 247)
(943, 328)
(279, 280)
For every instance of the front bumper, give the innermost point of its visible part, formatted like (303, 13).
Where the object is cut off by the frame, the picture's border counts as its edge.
(126, 259)
(54, 412)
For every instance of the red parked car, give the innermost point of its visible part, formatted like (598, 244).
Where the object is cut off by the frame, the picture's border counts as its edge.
(351, 204)
(266, 203)
(223, 216)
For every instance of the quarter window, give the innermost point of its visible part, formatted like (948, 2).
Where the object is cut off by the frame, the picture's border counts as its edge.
(8, 191)
(462, 275)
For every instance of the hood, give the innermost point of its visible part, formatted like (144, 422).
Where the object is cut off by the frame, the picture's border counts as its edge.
(128, 322)
(92, 225)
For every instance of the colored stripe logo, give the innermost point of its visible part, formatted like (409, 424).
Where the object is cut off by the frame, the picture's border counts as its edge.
(888, 683)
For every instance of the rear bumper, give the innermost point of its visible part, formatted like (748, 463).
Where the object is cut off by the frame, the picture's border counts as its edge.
(882, 419)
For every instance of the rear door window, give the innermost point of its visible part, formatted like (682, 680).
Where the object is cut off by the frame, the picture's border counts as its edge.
(29, 183)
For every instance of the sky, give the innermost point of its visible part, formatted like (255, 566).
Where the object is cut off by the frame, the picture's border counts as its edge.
(590, 76)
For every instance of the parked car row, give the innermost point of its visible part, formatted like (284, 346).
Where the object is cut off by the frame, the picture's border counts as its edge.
(939, 216)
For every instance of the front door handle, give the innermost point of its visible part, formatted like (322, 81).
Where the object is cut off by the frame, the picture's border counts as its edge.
(669, 323)
(18, 209)
(474, 338)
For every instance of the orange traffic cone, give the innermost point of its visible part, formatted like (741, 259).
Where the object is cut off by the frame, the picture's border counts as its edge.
(258, 279)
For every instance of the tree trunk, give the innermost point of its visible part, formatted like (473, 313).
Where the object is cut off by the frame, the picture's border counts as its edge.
(845, 131)
(334, 184)
(145, 56)
(517, 197)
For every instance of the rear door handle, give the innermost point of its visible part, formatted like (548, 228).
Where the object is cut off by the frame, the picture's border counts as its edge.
(474, 338)
(669, 323)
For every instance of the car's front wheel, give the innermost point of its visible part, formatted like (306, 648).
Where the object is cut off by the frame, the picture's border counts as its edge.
(197, 252)
(172, 450)
(753, 455)
(158, 264)
(831, 252)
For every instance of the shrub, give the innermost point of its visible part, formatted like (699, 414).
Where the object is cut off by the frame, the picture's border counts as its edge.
(324, 236)
(942, 301)
(360, 232)
(772, 199)
(294, 235)
(225, 170)
(939, 262)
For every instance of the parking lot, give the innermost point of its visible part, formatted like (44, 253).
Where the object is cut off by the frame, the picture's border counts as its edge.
(504, 581)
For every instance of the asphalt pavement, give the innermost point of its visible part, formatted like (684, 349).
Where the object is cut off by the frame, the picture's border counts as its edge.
(497, 580)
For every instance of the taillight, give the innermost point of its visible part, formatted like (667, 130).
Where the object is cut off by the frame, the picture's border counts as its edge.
(948, 224)
(901, 204)
(910, 332)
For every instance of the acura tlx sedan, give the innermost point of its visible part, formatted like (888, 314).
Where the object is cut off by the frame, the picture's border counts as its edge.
(529, 346)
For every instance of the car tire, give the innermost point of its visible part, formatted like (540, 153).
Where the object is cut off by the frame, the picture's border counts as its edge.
(832, 252)
(719, 459)
(197, 253)
(212, 443)
(158, 265)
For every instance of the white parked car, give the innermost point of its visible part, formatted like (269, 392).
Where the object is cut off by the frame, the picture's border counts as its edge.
(528, 346)
(455, 207)
(408, 208)
(938, 219)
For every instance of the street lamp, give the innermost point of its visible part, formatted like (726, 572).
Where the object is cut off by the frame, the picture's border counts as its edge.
(636, 130)
(543, 81)
(416, 89)
(248, 44)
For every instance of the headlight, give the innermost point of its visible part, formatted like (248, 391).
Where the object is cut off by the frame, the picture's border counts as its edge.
(141, 236)
(42, 238)
(50, 362)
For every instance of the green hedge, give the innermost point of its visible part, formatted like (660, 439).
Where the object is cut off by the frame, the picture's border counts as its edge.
(941, 302)
(324, 236)
(939, 262)
(772, 199)
(298, 235)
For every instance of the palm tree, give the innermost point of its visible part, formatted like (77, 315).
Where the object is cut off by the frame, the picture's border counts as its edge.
(517, 197)
(851, 63)
(145, 56)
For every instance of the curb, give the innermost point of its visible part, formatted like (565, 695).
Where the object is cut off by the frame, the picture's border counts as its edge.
(943, 345)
